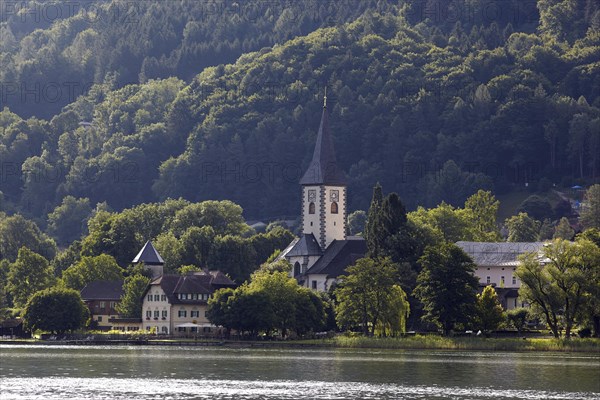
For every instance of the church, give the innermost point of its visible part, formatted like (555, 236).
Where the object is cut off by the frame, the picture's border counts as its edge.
(323, 251)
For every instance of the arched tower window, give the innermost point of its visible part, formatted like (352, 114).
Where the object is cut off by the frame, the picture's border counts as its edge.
(297, 269)
(311, 208)
(334, 208)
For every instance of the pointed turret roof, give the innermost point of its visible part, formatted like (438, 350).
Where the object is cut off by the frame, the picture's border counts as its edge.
(323, 169)
(148, 255)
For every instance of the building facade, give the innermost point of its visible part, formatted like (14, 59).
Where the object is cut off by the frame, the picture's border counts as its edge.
(496, 266)
(175, 304)
(102, 297)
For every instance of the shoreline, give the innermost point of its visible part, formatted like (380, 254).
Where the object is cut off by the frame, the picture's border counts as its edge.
(413, 343)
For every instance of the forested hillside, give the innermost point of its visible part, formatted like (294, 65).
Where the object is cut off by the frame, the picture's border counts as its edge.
(431, 105)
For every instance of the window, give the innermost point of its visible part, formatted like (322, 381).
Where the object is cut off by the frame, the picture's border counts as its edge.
(514, 280)
(195, 314)
(515, 303)
(99, 318)
(502, 280)
(156, 297)
(165, 329)
(113, 304)
(156, 313)
(164, 314)
(182, 313)
(311, 208)
(296, 268)
(102, 304)
(488, 280)
(334, 208)
(314, 284)
(163, 297)
(148, 314)
(149, 297)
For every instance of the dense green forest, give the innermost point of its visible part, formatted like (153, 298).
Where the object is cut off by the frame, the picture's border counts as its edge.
(434, 99)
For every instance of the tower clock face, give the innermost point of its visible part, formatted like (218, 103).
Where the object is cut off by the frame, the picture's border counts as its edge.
(312, 195)
(335, 196)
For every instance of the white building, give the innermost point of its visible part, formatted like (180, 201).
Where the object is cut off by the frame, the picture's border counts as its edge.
(175, 304)
(496, 266)
(323, 252)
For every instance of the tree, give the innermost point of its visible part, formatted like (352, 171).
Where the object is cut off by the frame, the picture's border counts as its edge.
(370, 297)
(518, 317)
(89, 269)
(219, 307)
(130, 304)
(28, 274)
(68, 221)
(558, 289)
(481, 211)
(522, 228)
(446, 286)
(16, 232)
(372, 232)
(536, 207)
(590, 209)
(356, 222)
(563, 230)
(489, 313)
(56, 310)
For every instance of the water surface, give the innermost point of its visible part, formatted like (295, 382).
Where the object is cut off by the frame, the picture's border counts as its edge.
(97, 372)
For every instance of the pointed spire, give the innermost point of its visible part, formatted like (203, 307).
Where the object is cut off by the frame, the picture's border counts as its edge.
(323, 169)
(148, 255)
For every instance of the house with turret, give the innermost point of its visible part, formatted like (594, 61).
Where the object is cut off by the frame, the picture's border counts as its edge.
(323, 251)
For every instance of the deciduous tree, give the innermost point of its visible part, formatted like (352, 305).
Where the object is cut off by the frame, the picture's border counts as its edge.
(28, 274)
(56, 310)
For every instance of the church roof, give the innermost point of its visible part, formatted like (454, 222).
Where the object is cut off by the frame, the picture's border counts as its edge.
(306, 245)
(148, 255)
(339, 255)
(323, 169)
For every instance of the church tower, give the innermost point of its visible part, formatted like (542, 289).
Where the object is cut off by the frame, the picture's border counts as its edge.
(324, 191)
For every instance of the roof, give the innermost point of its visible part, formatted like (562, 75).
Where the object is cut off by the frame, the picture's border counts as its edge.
(490, 254)
(339, 255)
(306, 245)
(102, 290)
(11, 323)
(323, 169)
(148, 255)
(203, 282)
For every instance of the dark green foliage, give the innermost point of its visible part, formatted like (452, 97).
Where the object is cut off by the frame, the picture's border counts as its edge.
(16, 232)
(518, 317)
(373, 234)
(130, 305)
(537, 207)
(68, 222)
(28, 274)
(506, 104)
(446, 286)
(56, 310)
(270, 301)
(89, 269)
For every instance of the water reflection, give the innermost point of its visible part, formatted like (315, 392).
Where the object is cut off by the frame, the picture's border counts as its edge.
(36, 372)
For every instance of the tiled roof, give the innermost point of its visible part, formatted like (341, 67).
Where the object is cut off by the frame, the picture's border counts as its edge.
(323, 169)
(102, 290)
(339, 255)
(203, 282)
(306, 245)
(489, 254)
(148, 255)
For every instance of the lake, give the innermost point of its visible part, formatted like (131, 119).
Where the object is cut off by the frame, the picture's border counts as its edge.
(138, 372)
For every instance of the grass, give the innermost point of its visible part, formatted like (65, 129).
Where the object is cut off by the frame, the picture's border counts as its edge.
(448, 343)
